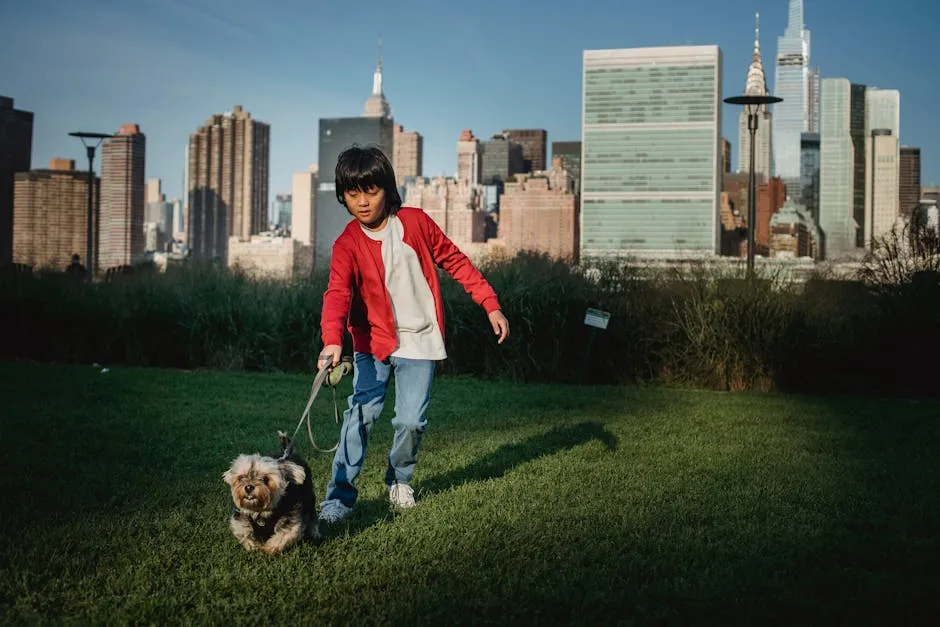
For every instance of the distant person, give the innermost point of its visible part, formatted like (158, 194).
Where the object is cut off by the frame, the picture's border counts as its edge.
(384, 288)
(76, 268)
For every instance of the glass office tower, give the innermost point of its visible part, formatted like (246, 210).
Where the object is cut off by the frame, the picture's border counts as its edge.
(650, 167)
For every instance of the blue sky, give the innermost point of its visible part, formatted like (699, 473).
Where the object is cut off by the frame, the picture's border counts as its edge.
(170, 64)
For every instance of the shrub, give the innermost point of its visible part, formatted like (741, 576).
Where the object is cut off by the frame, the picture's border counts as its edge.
(699, 327)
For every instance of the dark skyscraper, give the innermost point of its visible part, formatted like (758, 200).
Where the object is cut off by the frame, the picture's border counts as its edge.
(725, 155)
(809, 174)
(857, 132)
(336, 135)
(501, 157)
(16, 141)
(534, 142)
(909, 180)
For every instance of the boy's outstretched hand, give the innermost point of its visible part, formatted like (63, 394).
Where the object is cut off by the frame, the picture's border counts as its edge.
(500, 325)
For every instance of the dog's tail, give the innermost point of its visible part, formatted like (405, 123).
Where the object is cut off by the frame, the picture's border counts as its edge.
(287, 445)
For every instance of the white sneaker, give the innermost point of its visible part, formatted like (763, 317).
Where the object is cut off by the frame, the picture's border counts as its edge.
(333, 511)
(401, 495)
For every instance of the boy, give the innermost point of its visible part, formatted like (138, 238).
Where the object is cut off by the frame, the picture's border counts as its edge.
(384, 286)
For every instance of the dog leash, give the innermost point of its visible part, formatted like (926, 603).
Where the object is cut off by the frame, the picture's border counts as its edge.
(331, 375)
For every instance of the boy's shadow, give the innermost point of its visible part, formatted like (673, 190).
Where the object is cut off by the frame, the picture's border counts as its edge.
(370, 512)
(508, 456)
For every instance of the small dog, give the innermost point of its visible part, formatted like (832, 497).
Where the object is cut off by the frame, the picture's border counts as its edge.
(274, 500)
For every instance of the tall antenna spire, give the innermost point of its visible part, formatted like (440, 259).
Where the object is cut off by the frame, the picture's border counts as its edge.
(377, 106)
(377, 77)
(756, 78)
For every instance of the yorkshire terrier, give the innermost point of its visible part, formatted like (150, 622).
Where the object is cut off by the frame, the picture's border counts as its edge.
(274, 500)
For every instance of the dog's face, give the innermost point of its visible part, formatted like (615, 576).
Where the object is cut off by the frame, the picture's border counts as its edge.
(258, 482)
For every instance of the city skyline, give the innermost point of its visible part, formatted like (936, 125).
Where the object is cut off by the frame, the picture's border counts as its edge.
(169, 81)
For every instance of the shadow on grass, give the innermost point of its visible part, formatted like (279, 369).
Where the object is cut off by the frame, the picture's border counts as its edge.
(508, 456)
(370, 512)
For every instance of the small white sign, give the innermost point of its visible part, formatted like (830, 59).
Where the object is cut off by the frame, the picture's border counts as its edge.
(596, 318)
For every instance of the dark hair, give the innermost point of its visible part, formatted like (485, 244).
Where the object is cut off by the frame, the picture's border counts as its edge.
(361, 168)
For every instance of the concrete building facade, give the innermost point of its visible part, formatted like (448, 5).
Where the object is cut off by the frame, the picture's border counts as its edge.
(408, 147)
(269, 257)
(50, 215)
(469, 158)
(540, 213)
(454, 205)
(303, 205)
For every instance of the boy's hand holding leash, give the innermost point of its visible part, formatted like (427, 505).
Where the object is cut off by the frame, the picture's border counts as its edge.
(330, 352)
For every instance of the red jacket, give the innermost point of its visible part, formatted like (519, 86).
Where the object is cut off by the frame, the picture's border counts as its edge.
(358, 298)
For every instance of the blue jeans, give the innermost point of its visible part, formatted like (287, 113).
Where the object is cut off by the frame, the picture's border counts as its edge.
(412, 394)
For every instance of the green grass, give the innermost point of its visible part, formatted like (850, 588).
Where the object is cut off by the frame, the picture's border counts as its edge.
(537, 504)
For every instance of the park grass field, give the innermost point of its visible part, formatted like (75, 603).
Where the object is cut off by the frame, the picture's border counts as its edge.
(538, 504)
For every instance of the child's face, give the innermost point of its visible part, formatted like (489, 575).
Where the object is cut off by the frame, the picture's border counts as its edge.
(367, 206)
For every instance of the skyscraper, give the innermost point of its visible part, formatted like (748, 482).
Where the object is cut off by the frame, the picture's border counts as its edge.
(303, 205)
(809, 174)
(882, 202)
(154, 191)
(121, 228)
(794, 81)
(336, 135)
(909, 180)
(409, 153)
(228, 175)
(882, 157)
(501, 157)
(51, 215)
(650, 170)
(534, 142)
(725, 155)
(469, 158)
(16, 142)
(841, 166)
(756, 85)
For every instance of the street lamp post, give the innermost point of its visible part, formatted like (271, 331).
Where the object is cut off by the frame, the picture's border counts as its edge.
(752, 105)
(91, 141)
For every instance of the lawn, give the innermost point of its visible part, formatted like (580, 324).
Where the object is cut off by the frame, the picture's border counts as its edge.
(537, 504)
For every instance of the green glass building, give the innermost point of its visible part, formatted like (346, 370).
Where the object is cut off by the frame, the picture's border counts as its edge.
(650, 166)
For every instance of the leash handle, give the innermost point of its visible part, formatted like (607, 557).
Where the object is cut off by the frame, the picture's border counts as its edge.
(331, 375)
